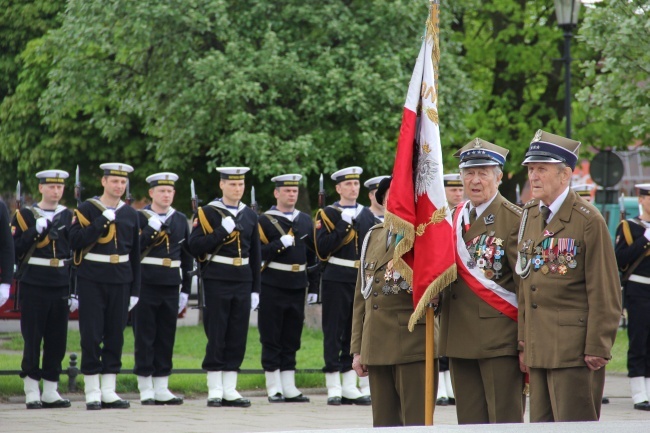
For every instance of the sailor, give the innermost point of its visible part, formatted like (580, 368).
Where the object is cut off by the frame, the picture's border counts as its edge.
(376, 208)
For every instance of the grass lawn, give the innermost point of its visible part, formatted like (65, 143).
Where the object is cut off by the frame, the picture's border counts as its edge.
(188, 353)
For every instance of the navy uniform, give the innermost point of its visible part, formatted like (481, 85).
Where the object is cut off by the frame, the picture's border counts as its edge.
(226, 241)
(569, 296)
(105, 240)
(287, 254)
(633, 257)
(376, 208)
(584, 190)
(478, 318)
(166, 263)
(6, 254)
(43, 252)
(339, 233)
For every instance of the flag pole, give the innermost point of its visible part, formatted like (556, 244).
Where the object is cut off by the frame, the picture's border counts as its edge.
(429, 397)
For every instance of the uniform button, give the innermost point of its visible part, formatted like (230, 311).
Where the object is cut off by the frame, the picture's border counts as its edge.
(534, 306)
(375, 294)
(376, 280)
(453, 296)
(375, 307)
(581, 320)
(279, 251)
(381, 268)
(533, 288)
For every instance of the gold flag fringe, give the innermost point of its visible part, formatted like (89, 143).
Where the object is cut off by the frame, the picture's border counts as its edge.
(443, 280)
(405, 245)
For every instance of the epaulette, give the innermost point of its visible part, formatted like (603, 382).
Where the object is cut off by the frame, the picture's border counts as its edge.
(513, 208)
(531, 203)
(584, 208)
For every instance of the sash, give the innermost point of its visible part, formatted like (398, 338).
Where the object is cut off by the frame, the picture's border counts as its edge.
(489, 291)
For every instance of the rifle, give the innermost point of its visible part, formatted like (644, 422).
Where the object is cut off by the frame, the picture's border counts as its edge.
(197, 266)
(77, 187)
(72, 290)
(321, 193)
(253, 201)
(518, 196)
(19, 205)
(129, 198)
(621, 207)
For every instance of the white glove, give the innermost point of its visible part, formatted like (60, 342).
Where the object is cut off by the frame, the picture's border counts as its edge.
(647, 234)
(312, 298)
(287, 240)
(109, 215)
(228, 223)
(347, 218)
(132, 302)
(73, 303)
(41, 224)
(4, 293)
(155, 223)
(255, 300)
(182, 301)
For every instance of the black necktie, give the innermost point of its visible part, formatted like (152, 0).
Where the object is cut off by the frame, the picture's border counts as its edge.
(472, 216)
(546, 212)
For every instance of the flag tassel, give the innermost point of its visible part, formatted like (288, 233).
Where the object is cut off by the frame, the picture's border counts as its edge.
(443, 280)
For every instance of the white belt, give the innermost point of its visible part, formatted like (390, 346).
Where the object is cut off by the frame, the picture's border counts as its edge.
(285, 267)
(639, 279)
(107, 258)
(234, 261)
(344, 262)
(55, 263)
(166, 262)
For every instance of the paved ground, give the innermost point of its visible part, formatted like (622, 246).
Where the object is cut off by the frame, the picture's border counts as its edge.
(194, 416)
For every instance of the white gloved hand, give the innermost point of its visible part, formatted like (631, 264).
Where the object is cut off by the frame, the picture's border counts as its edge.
(155, 223)
(255, 300)
(41, 224)
(73, 303)
(132, 302)
(347, 218)
(228, 223)
(4, 293)
(287, 240)
(109, 215)
(312, 298)
(182, 301)
(647, 234)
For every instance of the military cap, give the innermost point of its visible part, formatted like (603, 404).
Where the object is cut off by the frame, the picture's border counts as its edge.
(165, 178)
(479, 152)
(233, 173)
(644, 188)
(383, 186)
(52, 176)
(287, 180)
(551, 148)
(373, 183)
(116, 169)
(452, 180)
(349, 173)
(584, 190)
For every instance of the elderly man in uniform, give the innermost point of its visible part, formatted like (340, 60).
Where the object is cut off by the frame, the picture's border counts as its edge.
(375, 207)
(383, 349)
(478, 320)
(287, 252)
(633, 256)
(226, 240)
(105, 239)
(340, 229)
(166, 262)
(569, 297)
(42, 247)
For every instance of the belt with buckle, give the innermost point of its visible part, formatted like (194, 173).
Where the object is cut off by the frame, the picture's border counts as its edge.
(107, 258)
(54, 262)
(639, 279)
(158, 261)
(286, 267)
(344, 262)
(233, 261)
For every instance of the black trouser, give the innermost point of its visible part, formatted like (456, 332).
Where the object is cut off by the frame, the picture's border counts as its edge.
(225, 321)
(444, 363)
(103, 310)
(43, 318)
(154, 329)
(638, 331)
(280, 320)
(337, 300)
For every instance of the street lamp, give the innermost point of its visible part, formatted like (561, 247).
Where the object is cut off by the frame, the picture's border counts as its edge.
(567, 18)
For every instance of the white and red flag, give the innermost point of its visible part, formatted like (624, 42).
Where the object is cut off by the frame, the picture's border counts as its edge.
(417, 207)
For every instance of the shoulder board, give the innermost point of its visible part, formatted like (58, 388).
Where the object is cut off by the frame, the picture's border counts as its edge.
(512, 208)
(585, 209)
(530, 204)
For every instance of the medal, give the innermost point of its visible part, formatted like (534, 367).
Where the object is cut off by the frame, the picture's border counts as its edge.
(471, 264)
(497, 266)
(480, 263)
(572, 264)
(561, 259)
(562, 269)
(552, 267)
(386, 289)
(545, 269)
(489, 273)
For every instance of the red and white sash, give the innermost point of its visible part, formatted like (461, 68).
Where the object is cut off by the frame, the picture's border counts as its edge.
(489, 291)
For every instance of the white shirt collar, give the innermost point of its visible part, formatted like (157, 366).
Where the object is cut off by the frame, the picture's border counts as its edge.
(555, 206)
(481, 208)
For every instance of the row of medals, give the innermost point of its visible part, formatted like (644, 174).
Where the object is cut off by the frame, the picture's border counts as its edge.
(394, 281)
(486, 253)
(559, 262)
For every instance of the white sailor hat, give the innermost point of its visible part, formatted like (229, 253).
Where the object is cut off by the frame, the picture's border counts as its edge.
(116, 169)
(584, 190)
(52, 176)
(165, 178)
(479, 152)
(349, 173)
(452, 180)
(373, 183)
(287, 180)
(644, 188)
(233, 173)
(551, 148)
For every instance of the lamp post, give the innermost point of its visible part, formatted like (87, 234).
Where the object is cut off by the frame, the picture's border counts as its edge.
(567, 18)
